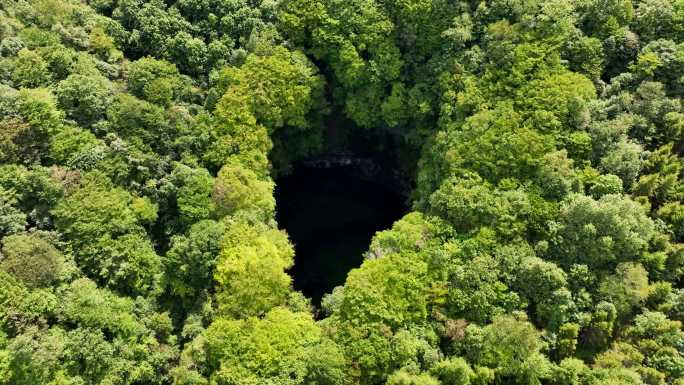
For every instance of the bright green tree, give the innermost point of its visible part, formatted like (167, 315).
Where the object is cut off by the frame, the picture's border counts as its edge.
(104, 225)
(248, 251)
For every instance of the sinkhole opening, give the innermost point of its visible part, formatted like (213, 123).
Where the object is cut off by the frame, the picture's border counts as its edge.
(331, 214)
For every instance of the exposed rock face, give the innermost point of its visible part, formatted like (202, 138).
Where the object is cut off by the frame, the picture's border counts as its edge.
(363, 168)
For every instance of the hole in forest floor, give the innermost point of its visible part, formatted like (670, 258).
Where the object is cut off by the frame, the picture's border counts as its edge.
(331, 216)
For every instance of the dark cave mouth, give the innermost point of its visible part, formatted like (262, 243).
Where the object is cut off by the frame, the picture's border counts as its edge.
(331, 214)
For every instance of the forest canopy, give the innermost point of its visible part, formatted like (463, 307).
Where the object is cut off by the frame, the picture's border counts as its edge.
(141, 142)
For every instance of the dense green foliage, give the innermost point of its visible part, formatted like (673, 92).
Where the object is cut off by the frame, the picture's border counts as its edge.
(139, 141)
